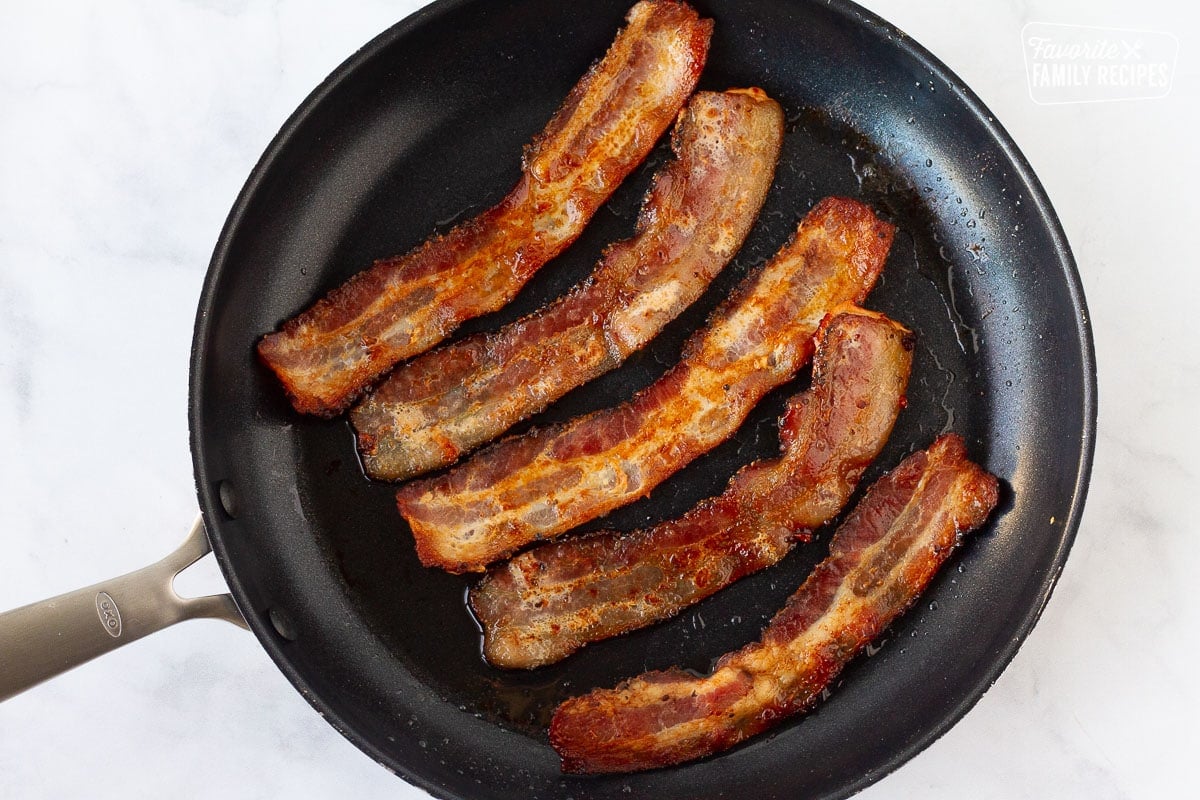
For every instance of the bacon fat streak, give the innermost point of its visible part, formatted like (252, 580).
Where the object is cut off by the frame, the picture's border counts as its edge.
(880, 561)
(538, 485)
(695, 217)
(553, 599)
(402, 306)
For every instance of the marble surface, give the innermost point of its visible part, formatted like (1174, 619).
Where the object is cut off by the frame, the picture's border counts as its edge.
(126, 130)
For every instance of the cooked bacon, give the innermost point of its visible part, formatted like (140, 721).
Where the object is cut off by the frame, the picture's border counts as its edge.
(695, 217)
(543, 483)
(403, 306)
(548, 602)
(880, 560)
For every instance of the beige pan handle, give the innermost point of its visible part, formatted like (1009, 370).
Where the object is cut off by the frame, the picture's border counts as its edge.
(41, 640)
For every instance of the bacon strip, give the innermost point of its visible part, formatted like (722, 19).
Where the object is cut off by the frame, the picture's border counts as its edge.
(548, 602)
(880, 560)
(543, 483)
(695, 217)
(403, 306)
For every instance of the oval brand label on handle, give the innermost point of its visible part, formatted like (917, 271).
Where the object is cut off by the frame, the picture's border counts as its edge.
(110, 617)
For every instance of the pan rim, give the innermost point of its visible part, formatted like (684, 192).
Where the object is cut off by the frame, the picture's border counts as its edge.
(856, 15)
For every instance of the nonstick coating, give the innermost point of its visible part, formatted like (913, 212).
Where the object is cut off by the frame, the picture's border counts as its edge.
(425, 126)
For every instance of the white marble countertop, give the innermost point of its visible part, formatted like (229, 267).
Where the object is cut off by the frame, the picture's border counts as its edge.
(126, 131)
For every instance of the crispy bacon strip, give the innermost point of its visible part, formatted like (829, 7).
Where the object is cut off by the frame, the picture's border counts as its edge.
(543, 483)
(403, 306)
(548, 602)
(695, 217)
(880, 560)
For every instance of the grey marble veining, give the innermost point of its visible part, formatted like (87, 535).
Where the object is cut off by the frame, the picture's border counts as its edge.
(126, 131)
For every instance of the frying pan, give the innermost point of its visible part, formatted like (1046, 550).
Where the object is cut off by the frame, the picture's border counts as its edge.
(423, 126)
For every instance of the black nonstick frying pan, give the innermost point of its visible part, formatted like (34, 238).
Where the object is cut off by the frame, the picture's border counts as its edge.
(424, 125)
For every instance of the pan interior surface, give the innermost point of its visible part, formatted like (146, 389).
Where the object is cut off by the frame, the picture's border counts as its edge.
(424, 127)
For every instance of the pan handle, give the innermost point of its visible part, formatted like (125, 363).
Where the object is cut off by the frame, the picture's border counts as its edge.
(41, 640)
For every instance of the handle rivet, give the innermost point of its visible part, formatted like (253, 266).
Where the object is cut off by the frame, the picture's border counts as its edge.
(228, 498)
(282, 624)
